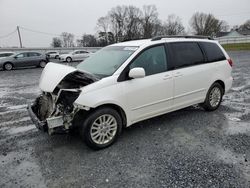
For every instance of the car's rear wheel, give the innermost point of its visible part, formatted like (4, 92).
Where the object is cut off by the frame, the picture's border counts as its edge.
(8, 66)
(68, 59)
(57, 57)
(101, 128)
(42, 64)
(213, 98)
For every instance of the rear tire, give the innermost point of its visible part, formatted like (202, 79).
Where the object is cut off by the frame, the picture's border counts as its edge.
(213, 98)
(8, 66)
(57, 57)
(68, 59)
(42, 64)
(101, 128)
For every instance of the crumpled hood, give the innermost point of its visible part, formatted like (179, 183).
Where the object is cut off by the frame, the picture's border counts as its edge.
(52, 75)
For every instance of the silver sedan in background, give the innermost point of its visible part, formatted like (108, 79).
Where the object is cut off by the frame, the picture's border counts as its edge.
(23, 59)
(77, 55)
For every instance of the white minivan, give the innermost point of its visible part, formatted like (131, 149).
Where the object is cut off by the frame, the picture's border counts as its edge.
(128, 82)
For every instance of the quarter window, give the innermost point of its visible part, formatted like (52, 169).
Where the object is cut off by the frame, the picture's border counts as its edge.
(153, 60)
(185, 54)
(213, 51)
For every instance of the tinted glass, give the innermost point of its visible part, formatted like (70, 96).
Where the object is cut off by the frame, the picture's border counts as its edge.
(213, 51)
(22, 55)
(153, 60)
(107, 60)
(32, 54)
(186, 54)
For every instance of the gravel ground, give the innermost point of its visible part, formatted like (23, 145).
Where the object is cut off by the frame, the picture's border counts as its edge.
(187, 148)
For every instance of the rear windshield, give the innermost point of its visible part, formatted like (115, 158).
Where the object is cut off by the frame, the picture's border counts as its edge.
(213, 51)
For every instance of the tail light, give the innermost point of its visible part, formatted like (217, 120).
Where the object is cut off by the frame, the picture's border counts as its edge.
(230, 61)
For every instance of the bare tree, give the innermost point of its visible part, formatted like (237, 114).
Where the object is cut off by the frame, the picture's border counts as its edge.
(149, 21)
(245, 26)
(103, 25)
(173, 25)
(117, 17)
(67, 39)
(132, 23)
(87, 40)
(105, 39)
(207, 24)
(56, 42)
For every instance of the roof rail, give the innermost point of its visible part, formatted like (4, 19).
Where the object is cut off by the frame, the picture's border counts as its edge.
(182, 36)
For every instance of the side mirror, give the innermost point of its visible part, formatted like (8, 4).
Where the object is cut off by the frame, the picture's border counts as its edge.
(137, 72)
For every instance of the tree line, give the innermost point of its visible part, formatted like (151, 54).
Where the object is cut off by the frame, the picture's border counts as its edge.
(123, 23)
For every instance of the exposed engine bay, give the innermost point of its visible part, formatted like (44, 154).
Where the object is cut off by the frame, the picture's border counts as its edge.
(54, 111)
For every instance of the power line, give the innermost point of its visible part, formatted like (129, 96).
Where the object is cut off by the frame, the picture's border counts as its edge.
(7, 35)
(42, 32)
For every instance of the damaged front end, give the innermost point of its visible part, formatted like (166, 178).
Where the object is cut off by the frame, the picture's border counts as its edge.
(54, 110)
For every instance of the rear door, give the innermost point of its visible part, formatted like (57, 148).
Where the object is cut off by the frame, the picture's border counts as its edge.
(77, 55)
(191, 74)
(34, 59)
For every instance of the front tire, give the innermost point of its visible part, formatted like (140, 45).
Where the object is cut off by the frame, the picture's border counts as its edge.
(8, 66)
(101, 128)
(213, 98)
(68, 59)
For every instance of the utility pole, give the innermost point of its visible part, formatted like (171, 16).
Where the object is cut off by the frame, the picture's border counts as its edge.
(19, 35)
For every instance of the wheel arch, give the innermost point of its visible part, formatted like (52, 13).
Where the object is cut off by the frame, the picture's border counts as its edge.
(222, 85)
(118, 109)
(84, 113)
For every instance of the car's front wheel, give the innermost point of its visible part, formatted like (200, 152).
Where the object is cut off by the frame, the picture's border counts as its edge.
(213, 98)
(57, 57)
(101, 128)
(8, 66)
(68, 59)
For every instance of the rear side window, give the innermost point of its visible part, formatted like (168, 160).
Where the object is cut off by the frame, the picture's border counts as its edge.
(185, 54)
(213, 51)
(32, 54)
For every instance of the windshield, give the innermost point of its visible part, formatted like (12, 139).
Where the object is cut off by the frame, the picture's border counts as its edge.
(107, 60)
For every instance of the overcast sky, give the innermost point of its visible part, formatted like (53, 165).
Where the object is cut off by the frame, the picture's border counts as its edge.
(80, 16)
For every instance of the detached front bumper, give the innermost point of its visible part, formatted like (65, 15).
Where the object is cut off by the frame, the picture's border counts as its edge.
(42, 125)
(53, 125)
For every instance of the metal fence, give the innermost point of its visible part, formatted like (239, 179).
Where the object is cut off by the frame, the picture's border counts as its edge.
(44, 50)
(233, 40)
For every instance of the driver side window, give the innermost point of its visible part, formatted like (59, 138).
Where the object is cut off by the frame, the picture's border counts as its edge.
(21, 55)
(153, 60)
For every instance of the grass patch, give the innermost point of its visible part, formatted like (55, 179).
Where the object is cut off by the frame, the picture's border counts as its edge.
(238, 46)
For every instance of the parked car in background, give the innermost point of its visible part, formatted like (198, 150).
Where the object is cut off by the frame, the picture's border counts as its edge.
(52, 55)
(23, 59)
(129, 82)
(77, 55)
(6, 54)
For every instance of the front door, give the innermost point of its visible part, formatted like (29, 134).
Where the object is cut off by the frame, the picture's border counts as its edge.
(153, 94)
